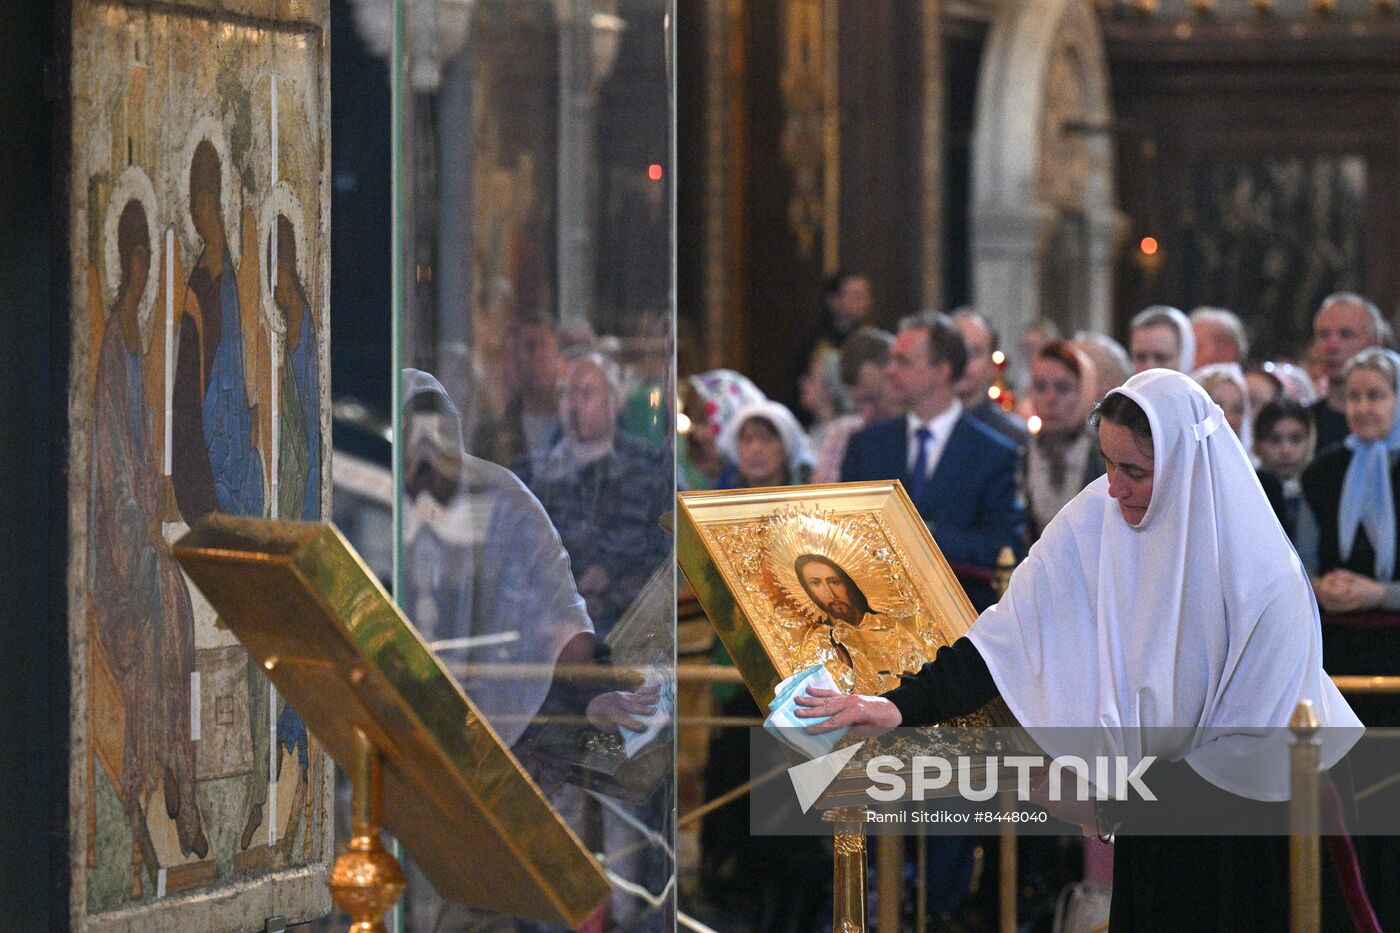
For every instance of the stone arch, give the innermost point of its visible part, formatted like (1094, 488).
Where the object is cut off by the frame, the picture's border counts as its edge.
(1044, 220)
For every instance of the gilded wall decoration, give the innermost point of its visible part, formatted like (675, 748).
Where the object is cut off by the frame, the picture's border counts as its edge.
(807, 82)
(199, 363)
(1271, 238)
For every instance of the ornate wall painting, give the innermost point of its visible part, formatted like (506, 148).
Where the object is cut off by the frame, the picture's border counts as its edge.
(199, 364)
(1270, 238)
(845, 575)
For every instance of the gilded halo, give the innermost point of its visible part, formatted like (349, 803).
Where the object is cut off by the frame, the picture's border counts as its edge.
(280, 201)
(793, 532)
(211, 128)
(133, 185)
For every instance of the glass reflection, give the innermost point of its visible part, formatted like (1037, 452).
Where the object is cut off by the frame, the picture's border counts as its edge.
(535, 432)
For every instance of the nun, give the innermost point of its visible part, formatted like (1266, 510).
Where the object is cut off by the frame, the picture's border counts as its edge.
(1164, 607)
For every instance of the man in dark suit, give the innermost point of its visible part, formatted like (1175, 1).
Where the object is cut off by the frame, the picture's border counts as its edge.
(960, 473)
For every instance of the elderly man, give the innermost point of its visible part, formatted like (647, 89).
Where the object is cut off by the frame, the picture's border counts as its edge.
(1345, 324)
(604, 490)
(1220, 336)
(981, 373)
(960, 473)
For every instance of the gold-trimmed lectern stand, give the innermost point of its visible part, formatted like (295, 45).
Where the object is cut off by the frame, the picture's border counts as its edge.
(366, 879)
(425, 764)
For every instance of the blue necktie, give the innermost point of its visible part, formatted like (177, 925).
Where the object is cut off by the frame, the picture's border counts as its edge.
(918, 481)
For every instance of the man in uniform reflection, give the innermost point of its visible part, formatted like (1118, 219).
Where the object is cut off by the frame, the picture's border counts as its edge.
(869, 645)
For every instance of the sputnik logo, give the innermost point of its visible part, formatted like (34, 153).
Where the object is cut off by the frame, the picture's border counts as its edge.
(811, 778)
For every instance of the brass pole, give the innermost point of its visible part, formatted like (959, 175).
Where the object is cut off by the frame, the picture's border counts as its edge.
(366, 880)
(848, 870)
(1007, 874)
(921, 886)
(1304, 865)
(1359, 683)
(889, 878)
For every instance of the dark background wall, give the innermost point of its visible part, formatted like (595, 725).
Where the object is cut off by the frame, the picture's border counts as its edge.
(361, 323)
(33, 340)
(1263, 158)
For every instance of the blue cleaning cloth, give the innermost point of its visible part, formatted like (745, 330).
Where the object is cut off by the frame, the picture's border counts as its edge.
(782, 721)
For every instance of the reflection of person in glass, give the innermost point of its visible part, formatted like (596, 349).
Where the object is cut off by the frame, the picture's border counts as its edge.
(487, 582)
(486, 578)
(866, 643)
(603, 490)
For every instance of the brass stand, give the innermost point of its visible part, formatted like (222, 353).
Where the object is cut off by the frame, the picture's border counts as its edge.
(889, 880)
(1007, 873)
(848, 870)
(1304, 859)
(366, 880)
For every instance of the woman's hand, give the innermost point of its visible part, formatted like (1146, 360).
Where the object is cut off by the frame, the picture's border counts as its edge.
(865, 714)
(610, 711)
(1345, 591)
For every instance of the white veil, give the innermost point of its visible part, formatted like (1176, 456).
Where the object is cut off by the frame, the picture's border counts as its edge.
(486, 578)
(1191, 635)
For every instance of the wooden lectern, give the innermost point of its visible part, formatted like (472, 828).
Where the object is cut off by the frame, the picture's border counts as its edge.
(424, 762)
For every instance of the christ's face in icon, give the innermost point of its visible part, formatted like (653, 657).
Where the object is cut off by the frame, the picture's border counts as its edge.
(831, 589)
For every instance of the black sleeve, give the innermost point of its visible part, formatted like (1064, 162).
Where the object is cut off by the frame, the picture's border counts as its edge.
(956, 682)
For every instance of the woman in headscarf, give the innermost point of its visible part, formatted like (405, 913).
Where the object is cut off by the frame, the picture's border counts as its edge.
(1063, 457)
(766, 446)
(1350, 489)
(1164, 612)
(1162, 338)
(709, 401)
(1226, 386)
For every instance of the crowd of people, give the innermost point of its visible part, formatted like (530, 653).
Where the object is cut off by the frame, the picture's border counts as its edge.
(989, 464)
(990, 450)
(928, 405)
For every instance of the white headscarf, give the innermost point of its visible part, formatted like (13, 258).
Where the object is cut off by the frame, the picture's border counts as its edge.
(1185, 336)
(1231, 372)
(795, 445)
(486, 578)
(1199, 618)
(724, 394)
